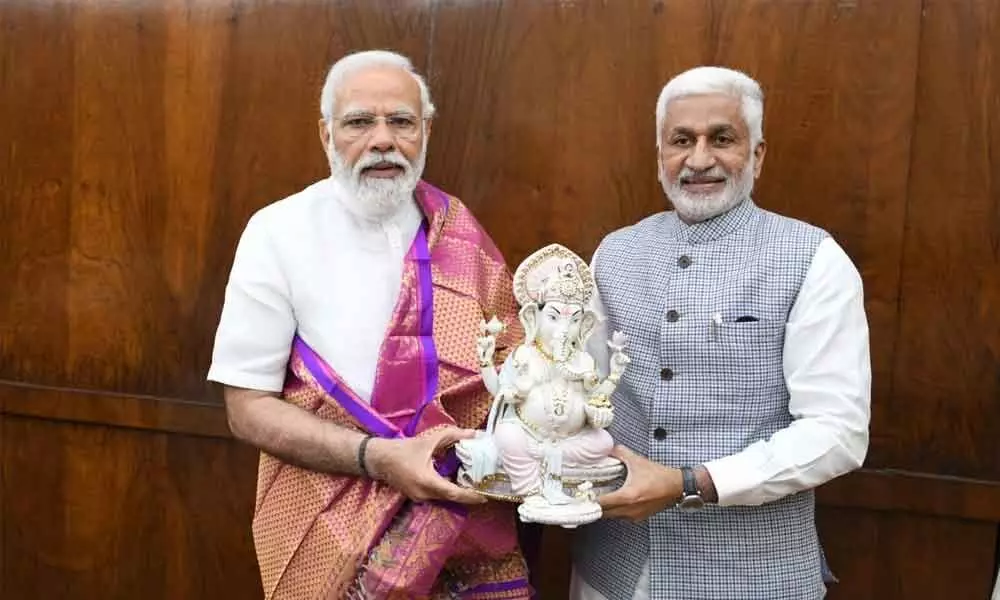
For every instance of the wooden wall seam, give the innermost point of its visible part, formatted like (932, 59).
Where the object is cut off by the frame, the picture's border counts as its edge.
(871, 489)
(169, 415)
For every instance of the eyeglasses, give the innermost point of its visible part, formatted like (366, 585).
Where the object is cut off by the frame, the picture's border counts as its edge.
(403, 126)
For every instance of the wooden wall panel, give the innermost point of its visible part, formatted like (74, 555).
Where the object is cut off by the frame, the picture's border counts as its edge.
(103, 512)
(118, 410)
(902, 555)
(946, 376)
(36, 159)
(136, 139)
(3, 509)
(534, 134)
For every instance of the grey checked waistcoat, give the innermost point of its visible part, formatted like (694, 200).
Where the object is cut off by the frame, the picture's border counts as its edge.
(702, 386)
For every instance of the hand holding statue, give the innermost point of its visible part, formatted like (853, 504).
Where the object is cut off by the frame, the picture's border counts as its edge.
(408, 465)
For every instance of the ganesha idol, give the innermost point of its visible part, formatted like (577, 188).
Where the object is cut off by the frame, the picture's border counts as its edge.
(545, 444)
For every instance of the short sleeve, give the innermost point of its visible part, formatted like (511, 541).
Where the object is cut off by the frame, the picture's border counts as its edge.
(254, 337)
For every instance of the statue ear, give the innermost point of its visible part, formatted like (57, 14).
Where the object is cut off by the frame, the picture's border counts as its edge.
(587, 324)
(529, 320)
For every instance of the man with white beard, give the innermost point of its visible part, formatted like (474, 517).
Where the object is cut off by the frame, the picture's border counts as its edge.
(346, 350)
(750, 376)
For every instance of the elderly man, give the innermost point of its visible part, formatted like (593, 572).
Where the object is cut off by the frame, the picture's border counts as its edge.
(750, 377)
(346, 347)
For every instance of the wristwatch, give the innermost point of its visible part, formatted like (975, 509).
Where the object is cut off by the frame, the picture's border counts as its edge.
(691, 499)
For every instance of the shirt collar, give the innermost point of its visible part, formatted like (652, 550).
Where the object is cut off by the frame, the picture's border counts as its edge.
(712, 229)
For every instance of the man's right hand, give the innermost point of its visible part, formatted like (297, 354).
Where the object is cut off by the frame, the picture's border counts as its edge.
(408, 466)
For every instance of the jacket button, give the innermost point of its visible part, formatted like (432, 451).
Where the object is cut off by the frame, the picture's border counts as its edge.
(684, 262)
(673, 315)
(660, 433)
(666, 374)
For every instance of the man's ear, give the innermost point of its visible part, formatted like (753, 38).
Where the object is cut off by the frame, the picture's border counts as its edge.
(325, 138)
(758, 158)
(324, 133)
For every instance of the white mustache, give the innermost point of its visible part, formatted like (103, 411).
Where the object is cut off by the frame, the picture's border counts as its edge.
(393, 157)
(715, 172)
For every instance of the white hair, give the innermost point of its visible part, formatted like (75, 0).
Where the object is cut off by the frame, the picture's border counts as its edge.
(716, 80)
(368, 59)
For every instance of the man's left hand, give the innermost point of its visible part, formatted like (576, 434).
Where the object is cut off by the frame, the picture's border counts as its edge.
(649, 488)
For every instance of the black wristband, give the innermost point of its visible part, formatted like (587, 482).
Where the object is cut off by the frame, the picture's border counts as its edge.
(362, 448)
(690, 482)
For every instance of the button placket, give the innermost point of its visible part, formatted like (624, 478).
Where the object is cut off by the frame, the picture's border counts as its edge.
(672, 316)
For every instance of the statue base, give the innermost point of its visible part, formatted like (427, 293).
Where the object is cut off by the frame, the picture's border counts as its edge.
(582, 484)
(535, 509)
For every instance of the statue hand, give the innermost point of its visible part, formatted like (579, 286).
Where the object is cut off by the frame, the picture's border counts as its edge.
(599, 416)
(619, 360)
(486, 346)
(508, 394)
(618, 341)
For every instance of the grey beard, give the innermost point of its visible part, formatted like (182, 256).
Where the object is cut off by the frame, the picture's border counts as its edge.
(373, 199)
(697, 208)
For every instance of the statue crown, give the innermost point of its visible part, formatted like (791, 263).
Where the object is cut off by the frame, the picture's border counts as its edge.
(553, 274)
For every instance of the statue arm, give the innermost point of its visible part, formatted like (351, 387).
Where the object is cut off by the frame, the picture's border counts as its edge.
(605, 346)
(504, 329)
(596, 344)
(519, 380)
(508, 378)
(510, 383)
(485, 348)
(608, 362)
(601, 392)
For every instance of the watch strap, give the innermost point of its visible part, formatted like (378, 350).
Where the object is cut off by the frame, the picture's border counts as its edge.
(690, 482)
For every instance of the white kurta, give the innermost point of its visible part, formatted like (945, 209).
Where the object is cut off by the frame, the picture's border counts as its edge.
(306, 264)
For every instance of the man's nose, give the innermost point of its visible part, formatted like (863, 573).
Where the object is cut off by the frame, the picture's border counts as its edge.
(382, 139)
(701, 157)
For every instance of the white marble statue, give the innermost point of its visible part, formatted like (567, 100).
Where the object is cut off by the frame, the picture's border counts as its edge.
(545, 443)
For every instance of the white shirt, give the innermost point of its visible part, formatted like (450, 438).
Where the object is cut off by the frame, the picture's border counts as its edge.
(306, 264)
(827, 371)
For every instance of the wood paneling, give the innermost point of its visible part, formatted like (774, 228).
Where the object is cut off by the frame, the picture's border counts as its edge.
(100, 512)
(899, 555)
(915, 493)
(3, 508)
(946, 376)
(138, 137)
(533, 133)
(120, 410)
